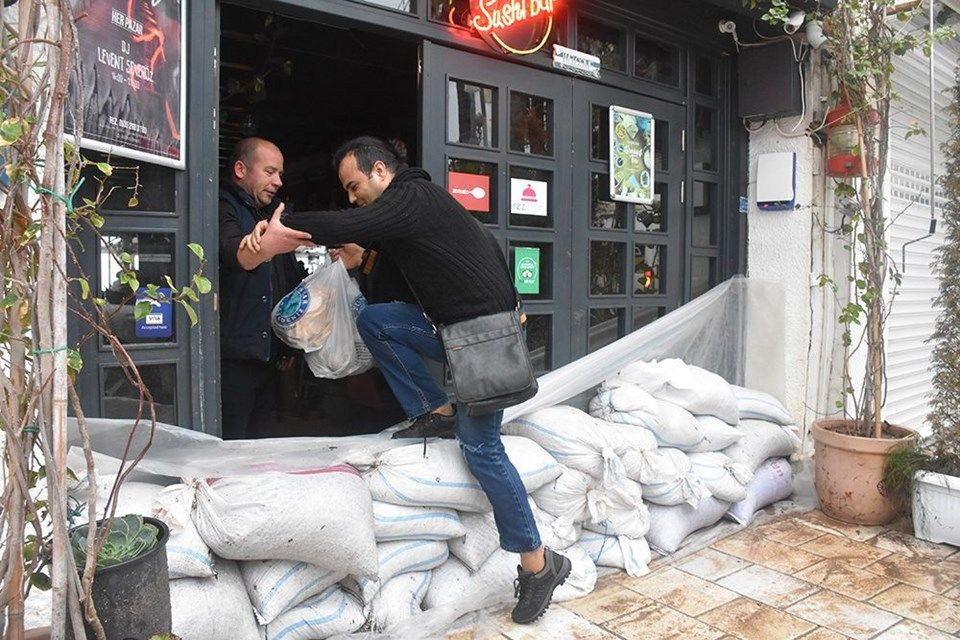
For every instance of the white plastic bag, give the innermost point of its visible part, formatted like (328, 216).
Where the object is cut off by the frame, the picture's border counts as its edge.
(670, 525)
(400, 522)
(758, 405)
(399, 599)
(762, 440)
(274, 586)
(772, 482)
(631, 555)
(214, 608)
(325, 615)
(724, 478)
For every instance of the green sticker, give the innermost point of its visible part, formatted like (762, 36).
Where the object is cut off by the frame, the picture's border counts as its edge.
(526, 269)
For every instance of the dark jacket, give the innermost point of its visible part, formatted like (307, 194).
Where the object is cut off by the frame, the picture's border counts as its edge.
(380, 279)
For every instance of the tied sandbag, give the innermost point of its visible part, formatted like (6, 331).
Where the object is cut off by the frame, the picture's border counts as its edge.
(328, 614)
(398, 522)
(673, 481)
(576, 497)
(757, 405)
(274, 586)
(626, 404)
(401, 557)
(321, 516)
(399, 599)
(772, 482)
(214, 608)
(697, 390)
(725, 479)
(631, 555)
(669, 526)
(442, 479)
(717, 435)
(762, 440)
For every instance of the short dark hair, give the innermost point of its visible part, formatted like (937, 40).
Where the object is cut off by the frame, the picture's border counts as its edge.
(368, 150)
(245, 150)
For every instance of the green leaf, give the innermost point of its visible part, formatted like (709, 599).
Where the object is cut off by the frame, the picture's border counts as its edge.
(8, 300)
(11, 130)
(153, 291)
(41, 581)
(190, 311)
(203, 284)
(197, 249)
(74, 361)
(84, 287)
(142, 309)
(132, 202)
(125, 258)
(105, 168)
(100, 302)
(96, 220)
(844, 190)
(190, 293)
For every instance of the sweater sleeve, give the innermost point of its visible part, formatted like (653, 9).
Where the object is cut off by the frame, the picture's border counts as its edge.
(391, 217)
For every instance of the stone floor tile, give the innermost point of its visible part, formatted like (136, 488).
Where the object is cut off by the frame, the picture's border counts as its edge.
(938, 576)
(558, 623)
(774, 555)
(684, 592)
(953, 593)
(922, 606)
(656, 620)
(910, 630)
(768, 586)
(844, 615)
(474, 634)
(711, 564)
(611, 601)
(858, 532)
(751, 620)
(905, 544)
(837, 575)
(850, 551)
(790, 531)
(824, 634)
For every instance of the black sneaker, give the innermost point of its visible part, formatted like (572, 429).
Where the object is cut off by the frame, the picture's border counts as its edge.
(535, 590)
(429, 425)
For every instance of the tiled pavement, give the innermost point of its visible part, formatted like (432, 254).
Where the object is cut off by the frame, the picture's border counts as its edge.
(798, 577)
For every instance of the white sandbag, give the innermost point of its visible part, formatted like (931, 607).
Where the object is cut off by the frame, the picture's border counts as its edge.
(670, 525)
(442, 478)
(628, 402)
(757, 405)
(631, 555)
(322, 516)
(399, 522)
(576, 497)
(762, 440)
(332, 612)
(675, 483)
(556, 533)
(274, 586)
(773, 481)
(479, 542)
(399, 557)
(717, 435)
(582, 578)
(725, 479)
(214, 608)
(697, 390)
(399, 599)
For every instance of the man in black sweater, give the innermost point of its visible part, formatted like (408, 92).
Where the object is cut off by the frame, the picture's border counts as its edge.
(457, 272)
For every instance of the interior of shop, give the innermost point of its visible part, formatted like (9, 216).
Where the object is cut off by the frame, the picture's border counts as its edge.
(309, 86)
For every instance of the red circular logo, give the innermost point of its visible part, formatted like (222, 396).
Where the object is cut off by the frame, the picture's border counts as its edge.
(520, 27)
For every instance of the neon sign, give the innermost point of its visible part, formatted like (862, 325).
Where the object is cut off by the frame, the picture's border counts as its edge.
(520, 27)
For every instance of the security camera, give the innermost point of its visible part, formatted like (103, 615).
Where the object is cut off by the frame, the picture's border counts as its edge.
(815, 35)
(794, 21)
(727, 26)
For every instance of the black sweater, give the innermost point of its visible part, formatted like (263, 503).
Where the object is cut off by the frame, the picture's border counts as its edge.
(452, 262)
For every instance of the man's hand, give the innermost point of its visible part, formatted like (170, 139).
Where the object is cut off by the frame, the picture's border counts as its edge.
(251, 241)
(278, 238)
(351, 255)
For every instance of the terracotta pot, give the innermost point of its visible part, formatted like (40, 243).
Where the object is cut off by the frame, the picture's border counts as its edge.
(849, 470)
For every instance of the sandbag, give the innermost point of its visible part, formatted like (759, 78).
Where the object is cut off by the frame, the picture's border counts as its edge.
(274, 586)
(762, 440)
(625, 404)
(399, 557)
(398, 522)
(675, 483)
(576, 497)
(442, 479)
(399, 598)
(697, 390)
(670, 525)
(631, 555)
(717, 435)
(214, 608)
(757, 405)
(332, 612)
(725, 479)
(773, 481)
(322, 516)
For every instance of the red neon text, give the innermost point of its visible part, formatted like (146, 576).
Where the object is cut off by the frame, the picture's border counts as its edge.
(495, 14)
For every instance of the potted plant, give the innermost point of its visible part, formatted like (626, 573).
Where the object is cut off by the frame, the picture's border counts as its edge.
(131, 586)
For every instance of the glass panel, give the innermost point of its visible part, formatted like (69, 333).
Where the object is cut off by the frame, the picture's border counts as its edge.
(661, 145)
(606, 267)
(642, 316)
(600, 132)
(474, 185)
(648, 261)
(453, 12)
(704, 75)
(603, 41)
(531, 124)
(652, 217)
(704, 139)
(657, 61)
(546, 267)
(703, 276)
(540, 341)
(606, 326)
(704, 214)
(157, 190)
(531, 198)
(152, 255)
(604, 212)
(471, 113)
(120, 399)
(408, 6)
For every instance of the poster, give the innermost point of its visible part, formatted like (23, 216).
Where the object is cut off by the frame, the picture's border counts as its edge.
(132, 57)
(526, 269)
(528, 197)
(159, 322)
(471, 190)
(631, 155)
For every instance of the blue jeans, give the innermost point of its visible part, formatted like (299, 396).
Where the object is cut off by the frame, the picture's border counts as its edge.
(399, 338)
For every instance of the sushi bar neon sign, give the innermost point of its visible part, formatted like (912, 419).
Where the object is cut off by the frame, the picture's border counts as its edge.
(520, 27)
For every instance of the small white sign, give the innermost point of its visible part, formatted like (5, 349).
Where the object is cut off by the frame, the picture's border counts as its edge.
(575, 61)
(528, 197)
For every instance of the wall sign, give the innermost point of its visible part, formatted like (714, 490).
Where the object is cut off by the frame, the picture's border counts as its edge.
(528, 197)
(520, 27)
(526, 269)
(470, 190)
(132, 61)
(631, 155)
(159, 322)
(577, 62)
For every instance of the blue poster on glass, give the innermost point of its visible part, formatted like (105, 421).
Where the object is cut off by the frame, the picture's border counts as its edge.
(158, 323)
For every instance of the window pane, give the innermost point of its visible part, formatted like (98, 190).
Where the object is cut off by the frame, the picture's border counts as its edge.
(606, 267)
(599, 132)
(471, 113)
(704, 214)
(120, 399)
(474, 185)
(605, 42)
(704, 143)
(604, 212)
(157, 191)
(152, 258)
(531, 197)
(531, 124)
(642, 316)
(661, 145)
(545, 275)
(606, 326)
(704, 76)
(540, 341)
(652, 217)
(648, 261)
(400, 5)
(704, 275)
(454, 12)
(657, 61)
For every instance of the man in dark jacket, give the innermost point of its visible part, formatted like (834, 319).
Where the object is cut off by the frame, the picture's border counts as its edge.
(457, 272)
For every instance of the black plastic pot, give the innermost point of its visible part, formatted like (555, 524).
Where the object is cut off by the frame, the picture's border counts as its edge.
(133, 597)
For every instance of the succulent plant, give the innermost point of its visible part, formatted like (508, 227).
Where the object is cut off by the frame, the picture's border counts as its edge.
(129, 537)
